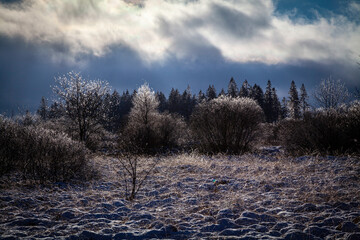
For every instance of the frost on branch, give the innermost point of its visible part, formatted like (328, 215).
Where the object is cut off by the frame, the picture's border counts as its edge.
(331, 93)
(83, 101)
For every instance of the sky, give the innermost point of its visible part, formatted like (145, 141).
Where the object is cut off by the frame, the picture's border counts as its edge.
(175, 43)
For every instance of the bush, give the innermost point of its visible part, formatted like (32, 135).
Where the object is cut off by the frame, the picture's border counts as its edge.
(330, 131)
(97, 137)
(226, 124)
(270, 134)
(40, 154)
(162, 131)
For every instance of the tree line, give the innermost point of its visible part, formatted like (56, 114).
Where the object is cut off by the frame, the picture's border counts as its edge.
(88, 115)
(113, 108)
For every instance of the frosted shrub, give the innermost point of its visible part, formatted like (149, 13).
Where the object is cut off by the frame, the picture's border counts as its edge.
(171, 131)
(226, 124)
(325, 131)
(27, 119)
(97, 136)
(40, 154)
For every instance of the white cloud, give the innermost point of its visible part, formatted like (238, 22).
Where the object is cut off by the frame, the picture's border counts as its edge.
(239, 30)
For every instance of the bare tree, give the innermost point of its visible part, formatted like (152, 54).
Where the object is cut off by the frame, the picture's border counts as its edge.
(331, 93)
(82, 99)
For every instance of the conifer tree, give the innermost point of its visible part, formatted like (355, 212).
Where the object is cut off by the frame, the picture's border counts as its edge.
(112, 110)
(245, 89)
(162, 101)
(304, 105)
(222, 92)
(56, 111)
(210, 93)
(294, 103)
(232, 88)
(268, 102)
(284, 108)
(187, 103)
(43, 110)
(200, 97)
(174, 101)
(257, 94)
(276, 111)
(125, 104)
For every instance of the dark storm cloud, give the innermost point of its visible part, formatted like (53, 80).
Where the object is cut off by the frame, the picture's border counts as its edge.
(239, 23)
(188, 42)
(11, 1)
(168, 44)
(25, 74)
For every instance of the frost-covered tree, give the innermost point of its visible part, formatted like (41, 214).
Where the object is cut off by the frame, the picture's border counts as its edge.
(142, 116)
(145, 106)
(82, 100)
(304, 105)
(27, 119)
(294, 103)
(232, 88)
(331, 93)
(147, 130)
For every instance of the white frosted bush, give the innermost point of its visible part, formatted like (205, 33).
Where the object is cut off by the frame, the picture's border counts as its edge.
(226, 124)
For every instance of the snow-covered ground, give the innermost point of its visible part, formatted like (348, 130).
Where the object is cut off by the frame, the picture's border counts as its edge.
(191, 196)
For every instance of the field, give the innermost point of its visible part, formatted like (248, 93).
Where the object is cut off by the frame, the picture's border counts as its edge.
(263, 195)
